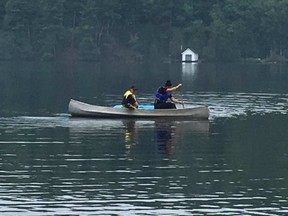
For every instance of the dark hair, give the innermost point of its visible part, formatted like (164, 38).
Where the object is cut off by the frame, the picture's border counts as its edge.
(168, 83)
(134, 88)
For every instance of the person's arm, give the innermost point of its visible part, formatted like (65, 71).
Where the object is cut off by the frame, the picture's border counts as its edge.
(132, 102)
(173, 88)
(136, 105)
(175, 100)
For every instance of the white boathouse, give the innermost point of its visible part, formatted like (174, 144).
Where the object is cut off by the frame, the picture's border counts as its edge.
(189, 55)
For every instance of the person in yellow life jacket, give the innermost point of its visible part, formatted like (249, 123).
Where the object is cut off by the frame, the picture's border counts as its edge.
(129, 98)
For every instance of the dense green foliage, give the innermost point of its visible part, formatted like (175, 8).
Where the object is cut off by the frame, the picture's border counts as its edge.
(135, 30)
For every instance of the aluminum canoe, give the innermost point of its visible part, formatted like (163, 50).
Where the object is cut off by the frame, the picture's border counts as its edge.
(80, 109)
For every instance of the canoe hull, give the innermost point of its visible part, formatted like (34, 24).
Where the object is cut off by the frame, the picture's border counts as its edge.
(80, 109)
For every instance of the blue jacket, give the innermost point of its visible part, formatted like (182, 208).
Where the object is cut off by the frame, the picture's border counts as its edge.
(162, 95)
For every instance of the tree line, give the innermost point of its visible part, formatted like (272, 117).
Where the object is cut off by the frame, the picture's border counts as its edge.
(143, 30)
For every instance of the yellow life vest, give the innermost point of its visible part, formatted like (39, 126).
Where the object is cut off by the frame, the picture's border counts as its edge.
(127, 93)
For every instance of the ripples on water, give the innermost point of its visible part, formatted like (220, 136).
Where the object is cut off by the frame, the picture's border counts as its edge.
(233, 104)
(62, 166)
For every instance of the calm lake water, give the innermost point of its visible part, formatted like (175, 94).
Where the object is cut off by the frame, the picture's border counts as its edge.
(233, 164)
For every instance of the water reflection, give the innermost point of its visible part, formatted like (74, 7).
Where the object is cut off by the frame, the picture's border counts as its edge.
(170, 134)
(189, 68)
(165, 136)
(129, 134)
(136, 134)
(189, 71)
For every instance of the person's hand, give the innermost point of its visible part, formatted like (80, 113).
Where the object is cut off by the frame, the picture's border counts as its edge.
(179, 85)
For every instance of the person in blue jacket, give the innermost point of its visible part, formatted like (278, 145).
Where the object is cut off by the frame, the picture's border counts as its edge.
(163, 94)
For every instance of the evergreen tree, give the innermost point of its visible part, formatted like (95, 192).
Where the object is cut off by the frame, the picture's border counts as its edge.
(20, 22)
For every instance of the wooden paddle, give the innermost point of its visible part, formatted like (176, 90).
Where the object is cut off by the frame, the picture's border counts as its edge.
(182, 98)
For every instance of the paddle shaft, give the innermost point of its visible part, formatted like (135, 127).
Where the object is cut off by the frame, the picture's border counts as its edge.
(182, 98)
